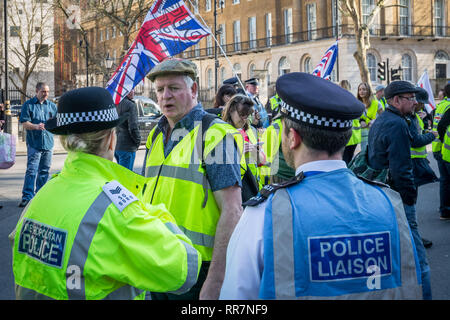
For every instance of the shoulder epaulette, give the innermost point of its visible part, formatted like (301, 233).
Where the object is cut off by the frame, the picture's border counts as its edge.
(267, 190)
(376, 183)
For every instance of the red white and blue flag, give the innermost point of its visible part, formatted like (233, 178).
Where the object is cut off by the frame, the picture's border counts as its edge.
(326, 64)
(168, 29)
(424, 83)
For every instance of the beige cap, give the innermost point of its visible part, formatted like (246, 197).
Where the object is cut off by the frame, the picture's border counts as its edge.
(174, 66)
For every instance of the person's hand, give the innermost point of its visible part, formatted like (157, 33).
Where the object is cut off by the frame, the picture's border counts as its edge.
(422, 114)
(40, 126)
(248, 147)
(435, 133)
(363, 124)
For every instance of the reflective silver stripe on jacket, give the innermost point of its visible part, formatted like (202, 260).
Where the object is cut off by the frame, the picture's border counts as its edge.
(198, 238)
(186, 174)
(414, 152)
(192, 262)
(283, 251)
(80, 249)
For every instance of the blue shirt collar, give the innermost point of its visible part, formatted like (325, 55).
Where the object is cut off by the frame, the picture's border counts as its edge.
(321, 165)
(188, 121)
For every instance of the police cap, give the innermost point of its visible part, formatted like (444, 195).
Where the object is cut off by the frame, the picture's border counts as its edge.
(85, 110)
(252, 81)
(232, 81)
(316, 102)
(174, 66)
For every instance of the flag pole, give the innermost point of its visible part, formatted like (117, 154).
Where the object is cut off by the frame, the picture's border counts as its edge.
(220, 47)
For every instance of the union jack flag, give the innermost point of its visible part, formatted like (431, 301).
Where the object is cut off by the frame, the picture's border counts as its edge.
(326, 64)
(168, 29)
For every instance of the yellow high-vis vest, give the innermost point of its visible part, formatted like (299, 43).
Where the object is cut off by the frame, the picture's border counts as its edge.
(420, 152)
(86, 235)
(179, 180)
(441, 108)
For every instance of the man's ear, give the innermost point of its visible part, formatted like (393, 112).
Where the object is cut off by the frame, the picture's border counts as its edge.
(194, 89)
(295, 140)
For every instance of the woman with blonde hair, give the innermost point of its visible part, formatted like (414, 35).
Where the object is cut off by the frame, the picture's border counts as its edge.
(237, 112)
(366, 96)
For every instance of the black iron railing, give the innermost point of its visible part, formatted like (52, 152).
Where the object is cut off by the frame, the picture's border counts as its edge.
(385, 31)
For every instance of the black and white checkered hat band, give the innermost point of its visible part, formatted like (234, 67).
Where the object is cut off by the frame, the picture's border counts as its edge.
(315, 120)
(106, 115)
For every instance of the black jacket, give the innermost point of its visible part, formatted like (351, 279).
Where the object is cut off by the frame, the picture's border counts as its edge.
(128, 136)
(389, 146)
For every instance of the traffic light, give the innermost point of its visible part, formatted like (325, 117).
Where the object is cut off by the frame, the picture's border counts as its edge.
(395, 74)
(382, 71)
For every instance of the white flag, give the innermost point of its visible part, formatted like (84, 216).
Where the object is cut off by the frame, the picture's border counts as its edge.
(424, 83)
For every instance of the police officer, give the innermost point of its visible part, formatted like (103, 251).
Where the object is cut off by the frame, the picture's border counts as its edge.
(444, 136)
(193, 165)
(326, 233)
(85, 235)
(252, 90)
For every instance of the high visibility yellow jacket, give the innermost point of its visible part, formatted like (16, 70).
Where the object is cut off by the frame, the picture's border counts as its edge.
(420, 152)
(179, 181)
(356, 133)
(85, 235)
(446, 146)
(441, 108)
(271, 139)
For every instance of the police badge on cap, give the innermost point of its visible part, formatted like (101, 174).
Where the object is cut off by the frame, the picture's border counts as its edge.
(85, 110)
(319, 103)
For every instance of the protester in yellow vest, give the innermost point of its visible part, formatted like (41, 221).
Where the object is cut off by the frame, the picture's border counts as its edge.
(379, 94)
(85, 235)
(236, 112)
(370, 113)
(356, 131)
(195, 174)
(443, 129)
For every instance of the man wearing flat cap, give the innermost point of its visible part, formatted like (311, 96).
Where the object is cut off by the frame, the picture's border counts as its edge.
(325, 233)
(193, 165)
(389, 147)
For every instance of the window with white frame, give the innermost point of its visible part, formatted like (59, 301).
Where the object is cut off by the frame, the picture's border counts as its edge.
(404, 17)
(407, 66)
(207, 5)
(237, 70)
(237, 35)
(223, 35)
(372, 66)
(269, 70)
(367, 6)
(336, 15)
(287, 16)
(307, 65)
(268, 19)
(251, 70)
(222, 74)
(209, 45)
(209, 77)
(442, 64)
(311, 20)
(252, 32)
(283, 66)
(235, 2)
(439, 18)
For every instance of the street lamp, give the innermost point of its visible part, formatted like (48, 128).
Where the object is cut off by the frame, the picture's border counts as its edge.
(108, 62)
(8, 119)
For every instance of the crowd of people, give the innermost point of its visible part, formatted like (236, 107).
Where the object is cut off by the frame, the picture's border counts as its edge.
(240, 201)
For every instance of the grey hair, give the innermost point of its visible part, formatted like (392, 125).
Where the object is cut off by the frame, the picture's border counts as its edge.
(189, 83)
(90, 142)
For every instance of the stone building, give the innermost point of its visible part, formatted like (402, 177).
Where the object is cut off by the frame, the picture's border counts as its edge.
(266, 38)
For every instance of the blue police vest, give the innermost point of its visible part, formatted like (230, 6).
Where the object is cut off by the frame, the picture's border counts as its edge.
(334, 236)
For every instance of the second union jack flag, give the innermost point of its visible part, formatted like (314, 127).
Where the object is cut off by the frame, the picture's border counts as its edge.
(168, 29)
(326, 64)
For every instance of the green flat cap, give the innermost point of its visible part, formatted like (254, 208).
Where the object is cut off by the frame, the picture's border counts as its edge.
(174, 66)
